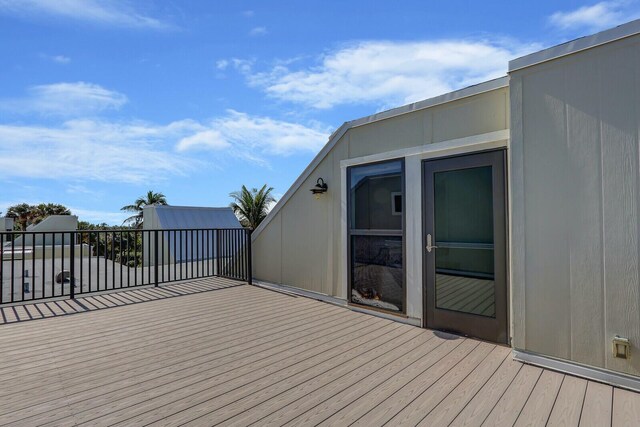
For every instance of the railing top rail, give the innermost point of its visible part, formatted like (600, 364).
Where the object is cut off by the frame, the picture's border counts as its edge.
(117, 230)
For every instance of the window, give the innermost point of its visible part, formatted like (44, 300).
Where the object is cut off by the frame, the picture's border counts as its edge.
(376, 240)
(396, 203)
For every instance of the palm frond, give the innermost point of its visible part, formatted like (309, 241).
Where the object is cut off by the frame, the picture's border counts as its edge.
(251, 206)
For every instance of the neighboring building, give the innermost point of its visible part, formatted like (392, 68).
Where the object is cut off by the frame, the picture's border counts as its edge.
(54, 229)
(176, 243)
(165, 217)
(508, 211)
(6, 224)
(32, 261)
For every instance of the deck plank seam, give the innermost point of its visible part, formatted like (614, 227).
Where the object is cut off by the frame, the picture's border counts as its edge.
(368, 391)
(228, 391)
(152, 379)
(302, 313)
(322, 373)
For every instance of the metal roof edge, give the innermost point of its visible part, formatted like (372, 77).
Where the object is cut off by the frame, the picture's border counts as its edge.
(186, 207)
(339, 133)
(333, 140)
(432, 102)
(583, 43)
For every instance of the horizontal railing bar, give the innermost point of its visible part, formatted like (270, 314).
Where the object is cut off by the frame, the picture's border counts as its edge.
(110, 230)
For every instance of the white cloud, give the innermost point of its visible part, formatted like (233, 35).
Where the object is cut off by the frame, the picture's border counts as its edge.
(596, 17)
(98, 217)
(65, 99)
(251, 137)
(258, 31)
(244, 66)
(60, 59)
(116, 13)
(78, 189)
(93, 150)
(211, 139)
(386, 72)
(222, 64)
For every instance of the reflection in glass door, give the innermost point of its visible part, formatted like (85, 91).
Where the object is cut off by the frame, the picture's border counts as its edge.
(376, 224)
(464, 237)
(465, 245)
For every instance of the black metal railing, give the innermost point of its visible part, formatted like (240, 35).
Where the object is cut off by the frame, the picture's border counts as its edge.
(40, 265)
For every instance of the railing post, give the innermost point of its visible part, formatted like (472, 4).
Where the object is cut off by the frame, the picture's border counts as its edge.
(72, 264)
(217, 236)
(155, 256)
(248, 252)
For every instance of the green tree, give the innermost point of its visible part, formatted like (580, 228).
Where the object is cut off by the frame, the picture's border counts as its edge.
(150, 199)
(25, 214)
(251, 206)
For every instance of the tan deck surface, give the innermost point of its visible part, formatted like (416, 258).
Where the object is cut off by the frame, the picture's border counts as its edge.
(232, 354)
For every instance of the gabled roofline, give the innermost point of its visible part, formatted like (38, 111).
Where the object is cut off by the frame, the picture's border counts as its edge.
(339, 133)
(607, 36)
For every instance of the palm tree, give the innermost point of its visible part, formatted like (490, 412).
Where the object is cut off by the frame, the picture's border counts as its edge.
(25, 214)
(251, 207)
(151, 199)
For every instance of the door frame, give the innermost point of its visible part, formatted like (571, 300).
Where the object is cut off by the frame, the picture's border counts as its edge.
(491, 329)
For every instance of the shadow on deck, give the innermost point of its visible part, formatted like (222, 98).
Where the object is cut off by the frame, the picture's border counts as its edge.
(103, 300)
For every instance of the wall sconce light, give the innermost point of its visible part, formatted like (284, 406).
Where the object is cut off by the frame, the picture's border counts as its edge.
(319, 188)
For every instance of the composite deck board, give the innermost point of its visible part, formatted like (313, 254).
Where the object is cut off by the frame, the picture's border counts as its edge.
(626, 408)
(569, 402)
(446, 411)
(218, 352)
(596, 410)
(540, 403)
(348, 407)
(79, 386)
(119, 390)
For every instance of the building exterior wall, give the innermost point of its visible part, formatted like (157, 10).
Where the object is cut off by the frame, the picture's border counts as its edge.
(303, 243)
(575, 205)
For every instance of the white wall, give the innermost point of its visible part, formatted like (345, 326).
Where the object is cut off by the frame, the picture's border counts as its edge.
(51, 224)
(575, 205)
(304, 243)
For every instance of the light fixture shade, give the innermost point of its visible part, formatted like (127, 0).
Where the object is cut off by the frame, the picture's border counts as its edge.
(320, 187)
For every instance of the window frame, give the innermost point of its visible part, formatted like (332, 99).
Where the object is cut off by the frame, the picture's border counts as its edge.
(377, 232)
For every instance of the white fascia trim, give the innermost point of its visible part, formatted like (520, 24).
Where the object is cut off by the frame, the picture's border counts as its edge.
(620, 32)
(616, 379)
(497, 139)
(339, 133)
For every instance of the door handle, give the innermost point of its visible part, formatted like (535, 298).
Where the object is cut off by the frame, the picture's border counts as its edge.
(430, 247)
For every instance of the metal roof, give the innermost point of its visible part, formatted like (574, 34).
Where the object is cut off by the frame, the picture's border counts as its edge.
(620, 32)
(169, 217)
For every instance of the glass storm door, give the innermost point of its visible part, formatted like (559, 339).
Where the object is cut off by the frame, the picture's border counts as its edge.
(376, 235)
(465, 245)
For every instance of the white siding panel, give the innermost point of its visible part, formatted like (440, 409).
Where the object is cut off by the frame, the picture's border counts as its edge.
(267, 252)
(577, 192)
(545, 186)
(585, 213)
(620, 190)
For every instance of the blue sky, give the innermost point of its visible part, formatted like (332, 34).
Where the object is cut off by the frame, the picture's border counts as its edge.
(101, 101)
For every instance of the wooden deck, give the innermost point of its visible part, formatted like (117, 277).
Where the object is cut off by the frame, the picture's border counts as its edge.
(228, 354)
